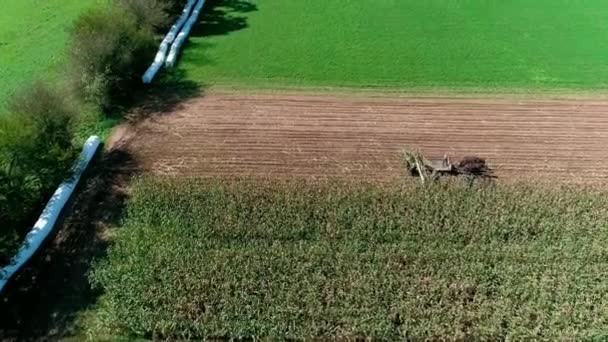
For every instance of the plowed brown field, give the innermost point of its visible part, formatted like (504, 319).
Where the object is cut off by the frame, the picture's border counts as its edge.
(316, 135)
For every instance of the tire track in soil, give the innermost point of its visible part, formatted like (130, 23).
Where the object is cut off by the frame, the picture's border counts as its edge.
(335, 136)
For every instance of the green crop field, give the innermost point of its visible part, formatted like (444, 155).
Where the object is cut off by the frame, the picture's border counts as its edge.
(33, 35)
(208, 258)
(450, 44)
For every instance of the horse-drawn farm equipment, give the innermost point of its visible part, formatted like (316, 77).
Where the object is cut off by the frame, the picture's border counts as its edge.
(470, 166)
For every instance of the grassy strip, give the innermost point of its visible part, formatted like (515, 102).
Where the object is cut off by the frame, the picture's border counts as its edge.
(412, 44)
(204, 258)
(33, 35)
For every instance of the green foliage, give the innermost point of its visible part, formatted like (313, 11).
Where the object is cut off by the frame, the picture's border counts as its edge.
(148, 13)
(475, 45)
(48, 116)
(36, 153)
(109, 51)
(206, 258)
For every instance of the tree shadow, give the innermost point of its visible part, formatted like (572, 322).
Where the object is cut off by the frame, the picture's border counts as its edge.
(42, 300)
(167, 93)
(221, 17)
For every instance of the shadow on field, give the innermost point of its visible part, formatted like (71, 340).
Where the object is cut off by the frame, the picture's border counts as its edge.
(166, 94)
(220, 17)
(43, 299)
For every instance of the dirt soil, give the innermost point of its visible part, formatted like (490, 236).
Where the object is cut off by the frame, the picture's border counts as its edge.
(281, 135)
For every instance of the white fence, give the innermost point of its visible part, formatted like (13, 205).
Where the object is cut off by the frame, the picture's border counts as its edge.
(49, 216)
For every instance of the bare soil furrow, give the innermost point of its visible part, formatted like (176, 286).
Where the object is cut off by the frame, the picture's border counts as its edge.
(286, 135)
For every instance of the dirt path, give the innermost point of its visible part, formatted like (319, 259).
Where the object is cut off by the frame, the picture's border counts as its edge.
(317, 136)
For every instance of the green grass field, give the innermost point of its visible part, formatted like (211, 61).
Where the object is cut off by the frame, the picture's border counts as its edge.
(291, 260)
(33, 36)
(447, 44)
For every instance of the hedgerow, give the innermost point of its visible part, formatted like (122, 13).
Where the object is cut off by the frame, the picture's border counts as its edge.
(109, 52)
(36, 153)
(246, 258)
(110, 47)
